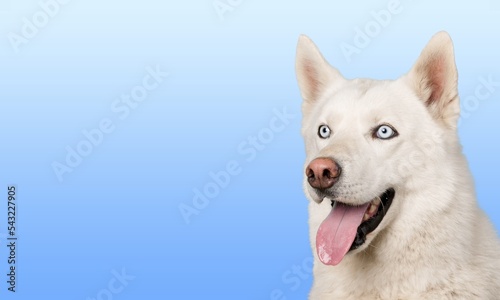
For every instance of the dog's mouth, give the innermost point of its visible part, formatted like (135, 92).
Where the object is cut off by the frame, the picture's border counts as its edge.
(347, 226)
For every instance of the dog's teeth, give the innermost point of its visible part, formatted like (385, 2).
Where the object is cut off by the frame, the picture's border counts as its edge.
(366, 217)
(372, 209)
(376, 201)
(370, 212)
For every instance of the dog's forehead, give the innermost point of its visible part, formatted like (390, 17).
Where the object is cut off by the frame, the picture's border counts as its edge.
(360, 97)
(362, 85)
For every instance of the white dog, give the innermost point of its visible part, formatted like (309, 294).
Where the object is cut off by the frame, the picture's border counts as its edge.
(386, 156)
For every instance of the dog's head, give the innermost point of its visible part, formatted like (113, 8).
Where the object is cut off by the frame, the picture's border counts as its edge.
(368, 140)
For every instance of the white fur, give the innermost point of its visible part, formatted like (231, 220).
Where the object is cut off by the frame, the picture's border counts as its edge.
(434, 242)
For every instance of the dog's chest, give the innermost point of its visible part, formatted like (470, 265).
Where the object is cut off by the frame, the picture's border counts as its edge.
(360, 283)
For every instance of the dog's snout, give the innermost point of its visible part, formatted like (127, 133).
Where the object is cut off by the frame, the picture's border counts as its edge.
(322, 173)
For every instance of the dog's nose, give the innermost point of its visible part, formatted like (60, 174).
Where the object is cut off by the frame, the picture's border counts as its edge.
(322, 173)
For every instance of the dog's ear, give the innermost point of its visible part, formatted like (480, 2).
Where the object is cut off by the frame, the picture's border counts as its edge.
(434, 79)
(314, 73)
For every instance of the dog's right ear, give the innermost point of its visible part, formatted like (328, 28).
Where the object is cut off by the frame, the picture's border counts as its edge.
(314, 73)
(434, 79)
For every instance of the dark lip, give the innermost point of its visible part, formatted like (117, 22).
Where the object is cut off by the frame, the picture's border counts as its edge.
(370, 225)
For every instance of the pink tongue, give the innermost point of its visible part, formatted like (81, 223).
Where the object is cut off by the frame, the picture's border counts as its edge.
(337, 232)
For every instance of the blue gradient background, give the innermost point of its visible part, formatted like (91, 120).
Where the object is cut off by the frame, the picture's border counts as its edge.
(119, 208)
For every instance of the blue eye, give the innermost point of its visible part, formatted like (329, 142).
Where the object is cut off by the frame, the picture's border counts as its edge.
(324, 131)
(385, 132)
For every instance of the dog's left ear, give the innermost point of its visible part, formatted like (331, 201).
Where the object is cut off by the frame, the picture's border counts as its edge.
(434, 78)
